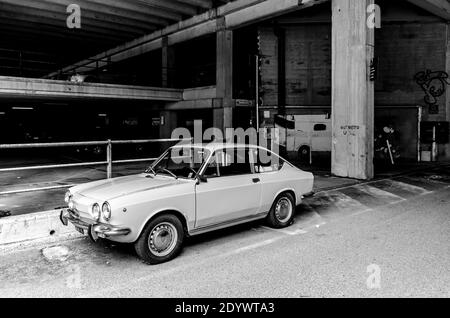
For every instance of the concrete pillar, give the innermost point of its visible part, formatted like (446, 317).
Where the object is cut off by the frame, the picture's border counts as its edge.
(223, 118)
(223, 115)
(352, 90)
(167, 64)
(170, 123)
(447, 92)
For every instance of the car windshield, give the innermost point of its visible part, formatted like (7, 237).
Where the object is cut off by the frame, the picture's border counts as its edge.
(180, 162)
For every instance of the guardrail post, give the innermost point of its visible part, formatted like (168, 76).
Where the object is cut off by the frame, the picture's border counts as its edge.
(109, 159)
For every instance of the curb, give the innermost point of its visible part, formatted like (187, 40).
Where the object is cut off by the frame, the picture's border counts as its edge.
(22, 229)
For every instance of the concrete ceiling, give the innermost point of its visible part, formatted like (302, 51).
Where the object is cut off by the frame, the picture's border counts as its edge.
(39, 26)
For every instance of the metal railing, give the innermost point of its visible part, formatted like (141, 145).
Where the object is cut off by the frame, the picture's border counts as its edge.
(108, 162)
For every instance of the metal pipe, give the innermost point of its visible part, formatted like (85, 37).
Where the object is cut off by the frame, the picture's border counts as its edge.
(84, 143)
(109, 160)
(434, 147)
(118, 142)
(134, 160)
(52, 145)
(67, 165)
(38, 189)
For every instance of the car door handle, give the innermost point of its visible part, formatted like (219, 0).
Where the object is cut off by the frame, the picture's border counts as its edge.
(256, 180)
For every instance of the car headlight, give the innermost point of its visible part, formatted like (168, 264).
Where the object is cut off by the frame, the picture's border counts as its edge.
(106, 211)
(95, 211)
(71, 204)
(67, 196)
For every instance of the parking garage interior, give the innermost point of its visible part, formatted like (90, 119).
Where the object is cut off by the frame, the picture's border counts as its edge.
(172, 62)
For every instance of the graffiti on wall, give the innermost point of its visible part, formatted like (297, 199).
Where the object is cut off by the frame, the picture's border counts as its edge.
(433, 84)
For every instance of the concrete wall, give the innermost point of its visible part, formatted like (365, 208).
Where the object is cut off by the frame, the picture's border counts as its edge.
(308, 65)
(403, 51)
(410, 41)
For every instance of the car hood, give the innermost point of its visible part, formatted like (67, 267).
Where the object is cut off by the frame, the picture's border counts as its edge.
(117, 187)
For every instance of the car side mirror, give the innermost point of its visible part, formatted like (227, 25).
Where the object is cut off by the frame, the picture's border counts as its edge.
(202, 178)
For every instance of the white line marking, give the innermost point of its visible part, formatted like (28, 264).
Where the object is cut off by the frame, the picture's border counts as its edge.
(380, 193)
(361, 212)
(343, 201)
(252, 246)
(286, 231)
(410, 187)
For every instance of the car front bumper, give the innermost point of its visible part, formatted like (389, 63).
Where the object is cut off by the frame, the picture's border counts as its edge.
(93, 229)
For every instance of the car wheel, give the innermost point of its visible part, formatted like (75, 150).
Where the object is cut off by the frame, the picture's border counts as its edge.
(161, 240)
(281, 213)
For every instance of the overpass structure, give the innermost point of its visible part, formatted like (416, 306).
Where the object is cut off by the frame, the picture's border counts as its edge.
(148, 30)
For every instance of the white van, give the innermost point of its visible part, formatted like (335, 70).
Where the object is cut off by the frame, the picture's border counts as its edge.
(305, 134)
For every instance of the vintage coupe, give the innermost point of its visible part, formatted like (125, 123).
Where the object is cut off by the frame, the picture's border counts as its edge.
(189, 190)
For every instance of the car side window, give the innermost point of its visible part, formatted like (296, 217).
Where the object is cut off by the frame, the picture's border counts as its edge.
(229, 162)
(267, 161)
(212, 169)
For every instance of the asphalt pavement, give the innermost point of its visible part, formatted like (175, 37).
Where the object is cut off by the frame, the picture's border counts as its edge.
(387, 238)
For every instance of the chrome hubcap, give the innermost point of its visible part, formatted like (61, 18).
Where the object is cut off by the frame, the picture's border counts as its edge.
(162, 239)
(283, 210)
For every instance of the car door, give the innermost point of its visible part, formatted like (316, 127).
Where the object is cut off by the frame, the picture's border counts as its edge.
(232, 191)
(269, 169)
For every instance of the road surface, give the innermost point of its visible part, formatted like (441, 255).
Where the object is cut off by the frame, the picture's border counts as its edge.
(388, 238)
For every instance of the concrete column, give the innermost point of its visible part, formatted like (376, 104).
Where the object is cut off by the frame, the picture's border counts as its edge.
(170, 123)
(167, 64)
(447, 92)
(223, 118)
(352, 91)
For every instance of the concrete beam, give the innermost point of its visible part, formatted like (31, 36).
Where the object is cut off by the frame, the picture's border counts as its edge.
(179, 7)
(197, 93)
(352, 90)
(236, 14)
(30, 87)
(59, 19)
(205, 4)
(191, 104)
(441, 8)
(195, 98)
(50, 28)
(266, 10)
(91, 11)
(138, 7)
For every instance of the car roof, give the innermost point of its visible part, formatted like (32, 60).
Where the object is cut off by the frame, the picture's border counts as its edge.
(217, 145)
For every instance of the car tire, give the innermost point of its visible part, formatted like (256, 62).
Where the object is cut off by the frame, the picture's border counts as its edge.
(304, 154)
(161, 240)
(282, 212)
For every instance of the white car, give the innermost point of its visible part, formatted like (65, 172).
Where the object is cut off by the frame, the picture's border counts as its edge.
(191, 189)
